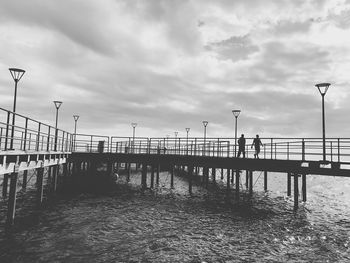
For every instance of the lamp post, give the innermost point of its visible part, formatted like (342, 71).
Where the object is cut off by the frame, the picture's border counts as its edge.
(16, 74)
(176, 133)
(57, 105)
(236, 114)
(187, 131)
(133, 125)
(322, 88)
(205, 123)
(76, 118)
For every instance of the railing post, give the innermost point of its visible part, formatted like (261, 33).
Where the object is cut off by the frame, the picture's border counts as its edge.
(228, 149)
(275, 151)
(0, 137)
(331, 151)
(7, 129)
(38, 138)
(303, 150)
(48, 140)
(90, 144)
(21, 141)
(338, 150)
(62, 142)
(287, 150)
(271, 148)
(195, 146)
(25, 135)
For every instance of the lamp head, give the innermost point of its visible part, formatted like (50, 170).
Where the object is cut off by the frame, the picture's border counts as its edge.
(187, 129)
(176, 133)
(76, 117)
(16, 73)
(205, 123)
(134, 124)
(322, 88)
(236, 113)
(57, 104)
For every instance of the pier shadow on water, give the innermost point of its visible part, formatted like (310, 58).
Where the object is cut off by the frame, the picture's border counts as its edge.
(107, 219)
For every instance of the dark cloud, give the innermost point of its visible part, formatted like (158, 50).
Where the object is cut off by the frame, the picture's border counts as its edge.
(235, 48)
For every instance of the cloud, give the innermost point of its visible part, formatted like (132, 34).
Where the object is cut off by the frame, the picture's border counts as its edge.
(234, 48)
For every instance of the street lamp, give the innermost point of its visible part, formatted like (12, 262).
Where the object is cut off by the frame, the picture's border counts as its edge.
(236, 114)
(176, 133)
(205, 123)
(57, 105)
(187, 131)
(133, 125)
(16, 74)
(322, 88)
(76, 118)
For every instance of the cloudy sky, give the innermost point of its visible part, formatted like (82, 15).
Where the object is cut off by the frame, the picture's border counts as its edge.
(169, 64)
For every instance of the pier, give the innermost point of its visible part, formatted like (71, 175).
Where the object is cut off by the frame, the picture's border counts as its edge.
(28, 144)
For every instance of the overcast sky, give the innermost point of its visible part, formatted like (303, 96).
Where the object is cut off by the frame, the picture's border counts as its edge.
(169, 64)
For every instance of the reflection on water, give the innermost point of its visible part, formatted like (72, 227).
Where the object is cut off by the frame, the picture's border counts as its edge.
(125, 225)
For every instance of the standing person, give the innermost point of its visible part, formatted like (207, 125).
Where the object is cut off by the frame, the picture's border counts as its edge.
(257, 143)
(241, 146)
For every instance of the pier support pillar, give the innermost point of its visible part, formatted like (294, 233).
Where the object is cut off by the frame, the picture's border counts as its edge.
(190, 175)
(304, 187)
(127, 167)
(5, 185)
(65, 169)
(25, 177)
(206, 176)
(222, 174)
(237, 185)
(144, 176)
(11, 208)
(40, 184)
(296, 191)
(157, 174)
(250, 183)
(228, 180)
(247, 179)
(152, 176)
(172, 171)
(213, 174)
(55, 170)
(289, 184)
(232, 177)
(265, 181)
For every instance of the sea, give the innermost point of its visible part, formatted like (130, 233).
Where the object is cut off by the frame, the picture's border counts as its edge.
(115, 221)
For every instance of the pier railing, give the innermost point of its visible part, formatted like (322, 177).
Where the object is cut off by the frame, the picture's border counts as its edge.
(18, 132)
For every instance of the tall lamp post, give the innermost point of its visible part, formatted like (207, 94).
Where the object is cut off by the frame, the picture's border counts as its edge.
(16, 74)
(176, 133)
(322, 88)
(76, 118)
(236, 114)
(205, 123)
(57, 105)
(133, 125)
(187, 131)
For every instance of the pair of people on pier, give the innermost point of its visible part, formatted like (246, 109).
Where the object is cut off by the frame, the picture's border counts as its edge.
(256, 143)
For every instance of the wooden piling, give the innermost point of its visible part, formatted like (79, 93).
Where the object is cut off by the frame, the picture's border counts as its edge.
(265, 181)
(157, 174)
(222, 174)
(40, 185)
(250, 183)
(128, 172)
(289, 184)
(25, 177)
(237, 185)
(172, 171)
(296, 191)
(11, 208)
(144, 176)
(190, 175)
(5, 185)
(304, 187)
(152, 176)
(228, 180)
(213, 174)
(206, 176)
(54, 179)
(246, 179)
(232, 177)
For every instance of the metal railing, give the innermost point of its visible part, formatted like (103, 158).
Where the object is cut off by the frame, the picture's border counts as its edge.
(33, 135)
(30, 134)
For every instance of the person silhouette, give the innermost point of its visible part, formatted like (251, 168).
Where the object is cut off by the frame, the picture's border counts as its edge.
(257, 143)
(241, 146)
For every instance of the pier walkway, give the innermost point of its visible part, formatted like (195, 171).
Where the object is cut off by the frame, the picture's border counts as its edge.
(27, 144)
